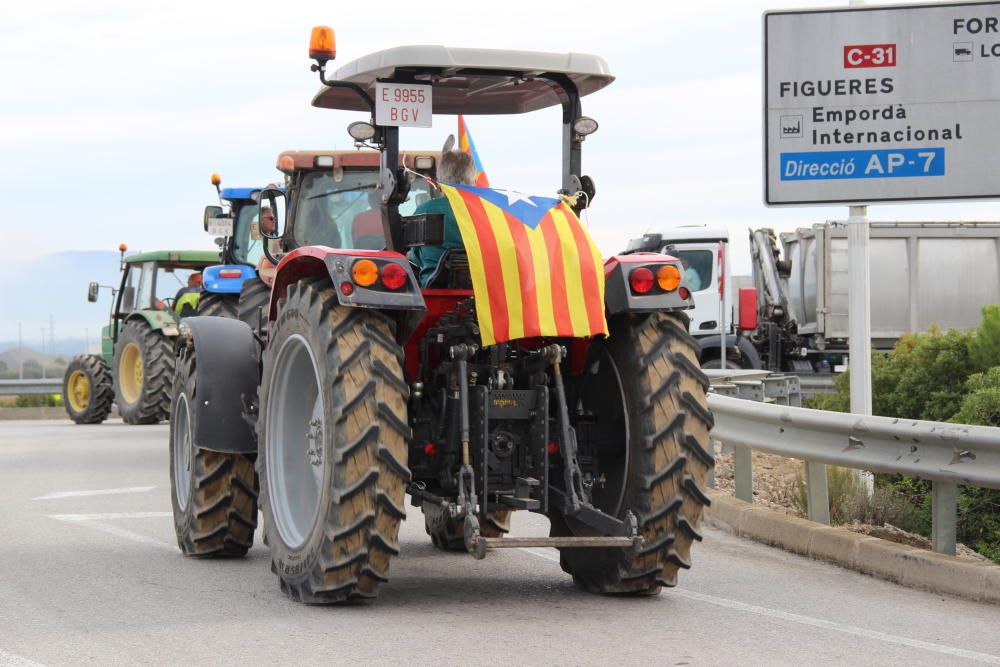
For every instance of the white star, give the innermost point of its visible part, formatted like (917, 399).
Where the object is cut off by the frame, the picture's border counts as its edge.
(513, 197)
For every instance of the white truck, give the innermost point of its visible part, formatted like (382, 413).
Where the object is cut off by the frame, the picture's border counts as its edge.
(704, 252)
(923, 274)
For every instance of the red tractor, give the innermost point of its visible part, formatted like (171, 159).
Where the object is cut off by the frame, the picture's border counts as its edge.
(360, 385)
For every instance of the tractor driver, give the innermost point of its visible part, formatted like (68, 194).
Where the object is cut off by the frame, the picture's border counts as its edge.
(454, 167)
(186, 301)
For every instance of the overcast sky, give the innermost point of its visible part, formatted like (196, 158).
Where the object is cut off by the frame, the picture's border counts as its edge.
(114, 114)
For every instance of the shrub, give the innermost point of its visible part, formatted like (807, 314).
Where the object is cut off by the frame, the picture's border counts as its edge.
(38, 401)
(850, 502)
(984, 348)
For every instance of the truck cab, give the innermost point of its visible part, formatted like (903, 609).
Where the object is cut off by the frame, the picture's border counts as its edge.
(704, 252)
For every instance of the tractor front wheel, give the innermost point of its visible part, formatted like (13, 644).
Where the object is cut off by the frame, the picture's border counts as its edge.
(87, 389)
(333, 440)
(144, 370)
(642, 398)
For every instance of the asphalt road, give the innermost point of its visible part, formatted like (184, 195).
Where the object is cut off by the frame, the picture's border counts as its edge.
(96, 578)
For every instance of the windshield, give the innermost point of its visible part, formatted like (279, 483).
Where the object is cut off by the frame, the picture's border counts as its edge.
(346, 213)
(697, 267)
(246, 219)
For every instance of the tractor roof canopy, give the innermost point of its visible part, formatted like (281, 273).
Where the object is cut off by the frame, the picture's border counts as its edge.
(470, 81)
(230, 194)
(176, 259)
(291, 161)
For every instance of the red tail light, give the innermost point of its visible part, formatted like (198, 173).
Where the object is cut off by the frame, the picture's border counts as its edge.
(393, 276)
(346, 288)
(230, 273)
(641, 280)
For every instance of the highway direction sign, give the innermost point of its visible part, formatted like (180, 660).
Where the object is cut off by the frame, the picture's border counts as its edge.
(882, 103)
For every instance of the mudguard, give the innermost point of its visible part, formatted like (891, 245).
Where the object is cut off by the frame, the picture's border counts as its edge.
(226, 354)
(618, 297)
(214, 283)
(158, 320)
(336, 264)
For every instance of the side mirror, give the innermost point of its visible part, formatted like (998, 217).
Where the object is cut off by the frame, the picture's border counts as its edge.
(211, 212)
(92, 290)
(271, 212)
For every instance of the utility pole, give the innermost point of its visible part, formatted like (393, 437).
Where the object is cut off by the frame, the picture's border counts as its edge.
(43, 353)
(20, 354)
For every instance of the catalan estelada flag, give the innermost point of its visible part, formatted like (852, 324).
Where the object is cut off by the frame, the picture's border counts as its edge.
(535, 270)
(468, 146)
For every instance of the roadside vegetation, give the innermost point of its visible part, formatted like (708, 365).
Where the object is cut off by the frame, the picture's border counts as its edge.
(952, 377)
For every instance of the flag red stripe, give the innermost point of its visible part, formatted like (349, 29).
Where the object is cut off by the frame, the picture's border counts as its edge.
(591, 288)
(560, 299)
(491, 262)
(526, 269)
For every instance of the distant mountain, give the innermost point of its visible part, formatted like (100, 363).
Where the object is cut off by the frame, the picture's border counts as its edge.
(55, 286)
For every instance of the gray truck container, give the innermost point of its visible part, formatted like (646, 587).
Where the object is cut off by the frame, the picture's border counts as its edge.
(922, 275)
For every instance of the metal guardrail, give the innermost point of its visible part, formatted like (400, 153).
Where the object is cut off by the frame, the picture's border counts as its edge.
(22, 387)
(946, 454)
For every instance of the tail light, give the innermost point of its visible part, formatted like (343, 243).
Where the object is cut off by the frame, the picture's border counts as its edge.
(393, 276)
(641, 280)
(364, 272)
(668, 277)
(230, 273)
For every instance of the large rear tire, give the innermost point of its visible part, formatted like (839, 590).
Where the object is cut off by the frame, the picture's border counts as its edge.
(214, 494)
(333, 440)
(656, 455)
(218, 305)
(88, 390)
(255, 295)
(144, 370)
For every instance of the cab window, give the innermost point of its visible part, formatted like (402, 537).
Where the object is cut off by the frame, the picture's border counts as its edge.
(697, 267)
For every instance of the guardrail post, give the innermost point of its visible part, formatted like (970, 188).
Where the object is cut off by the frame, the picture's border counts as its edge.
(944, 516)
(743, 472)
(817, 493)
(713, 446)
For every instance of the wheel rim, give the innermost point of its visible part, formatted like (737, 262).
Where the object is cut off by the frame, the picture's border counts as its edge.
(294, 448)
(130, 373)
(183, 450)
(602, 385)
(78, 391)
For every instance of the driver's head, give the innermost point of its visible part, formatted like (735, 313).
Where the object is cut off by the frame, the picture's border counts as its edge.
(194, 280)
(267, 219)
(456, 167)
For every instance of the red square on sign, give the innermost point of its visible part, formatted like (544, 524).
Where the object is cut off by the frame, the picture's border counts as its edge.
(869, 55)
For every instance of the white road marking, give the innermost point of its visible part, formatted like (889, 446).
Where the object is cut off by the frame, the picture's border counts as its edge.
(11, 660)
(129, 535)
(108, 516)
(95, 492)
(814, 622)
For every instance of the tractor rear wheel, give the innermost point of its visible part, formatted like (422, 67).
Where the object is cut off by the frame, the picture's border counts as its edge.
(333, 438)
(448, 533)
(218, 305)
(644, 394)
(255, 295)
(144, 370)
(87, 389)
(214, 494)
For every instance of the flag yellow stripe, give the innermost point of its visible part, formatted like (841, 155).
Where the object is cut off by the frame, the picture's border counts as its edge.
(599, 268)
(471, 242)
(574, 285)
(543, 279)
(508, 265)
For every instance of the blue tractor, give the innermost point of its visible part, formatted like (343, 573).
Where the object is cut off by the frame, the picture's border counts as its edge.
(234, 223)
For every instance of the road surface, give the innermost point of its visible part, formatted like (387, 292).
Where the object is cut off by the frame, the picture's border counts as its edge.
(91, 575)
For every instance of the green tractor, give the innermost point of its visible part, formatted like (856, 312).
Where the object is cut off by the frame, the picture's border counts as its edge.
(136, 366)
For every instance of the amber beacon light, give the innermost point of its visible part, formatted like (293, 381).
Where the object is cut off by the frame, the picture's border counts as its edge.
(322, 44)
